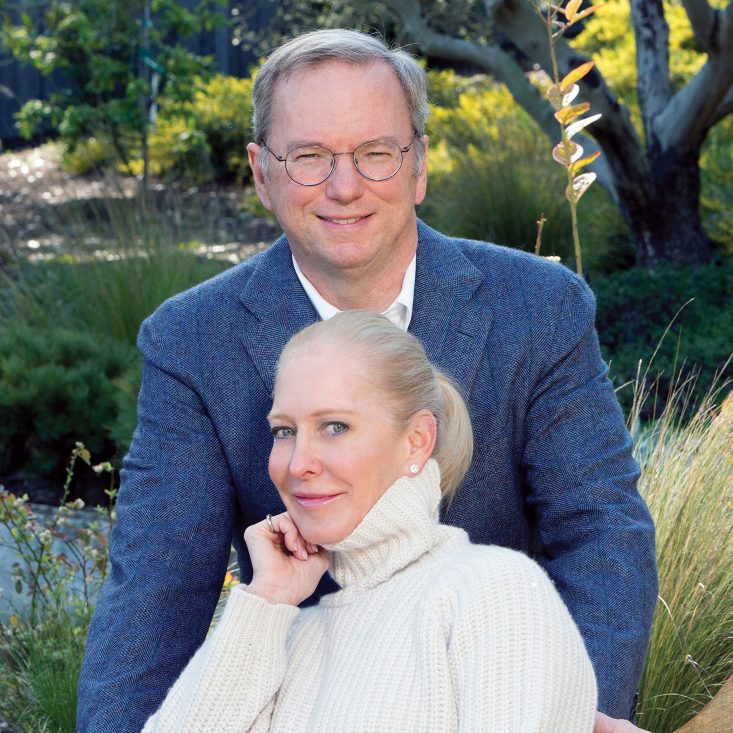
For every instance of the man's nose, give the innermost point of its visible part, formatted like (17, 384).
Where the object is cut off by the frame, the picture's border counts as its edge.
(345, 182)
(304, 461)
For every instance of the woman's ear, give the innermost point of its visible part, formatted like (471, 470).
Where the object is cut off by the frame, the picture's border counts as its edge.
(422, 432)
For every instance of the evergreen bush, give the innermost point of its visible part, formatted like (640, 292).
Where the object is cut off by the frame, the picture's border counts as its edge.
(635, 309)
(56, 388)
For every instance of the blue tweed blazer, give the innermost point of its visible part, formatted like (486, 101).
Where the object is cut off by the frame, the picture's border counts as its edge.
(552, 473)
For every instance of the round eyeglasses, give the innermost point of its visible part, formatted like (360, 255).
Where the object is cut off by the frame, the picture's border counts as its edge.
(310, 165)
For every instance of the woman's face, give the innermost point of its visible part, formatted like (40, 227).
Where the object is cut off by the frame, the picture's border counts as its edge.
(335, 449)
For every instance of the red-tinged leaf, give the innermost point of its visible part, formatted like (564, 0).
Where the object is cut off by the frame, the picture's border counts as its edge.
(584, 162)
(578, 125)
(571, 9)
(581, 184)
(576, 75)
(566, 155)
(567, 114)
(555, 96)
(571, 94)
(585, 13)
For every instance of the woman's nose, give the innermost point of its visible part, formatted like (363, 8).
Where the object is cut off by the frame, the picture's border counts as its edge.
(304, 460)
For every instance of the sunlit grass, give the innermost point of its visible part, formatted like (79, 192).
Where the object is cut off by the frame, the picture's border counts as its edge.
(687, 481)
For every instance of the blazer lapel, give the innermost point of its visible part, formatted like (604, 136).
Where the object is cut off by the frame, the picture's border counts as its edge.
(278, 308)
(449, 320)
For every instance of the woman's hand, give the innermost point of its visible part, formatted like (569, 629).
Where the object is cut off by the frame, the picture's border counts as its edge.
(286, 568)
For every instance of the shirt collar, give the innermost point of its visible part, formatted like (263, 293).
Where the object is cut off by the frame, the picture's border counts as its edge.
(400, 312)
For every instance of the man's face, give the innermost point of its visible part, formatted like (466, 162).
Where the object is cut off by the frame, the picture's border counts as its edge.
(347, 223)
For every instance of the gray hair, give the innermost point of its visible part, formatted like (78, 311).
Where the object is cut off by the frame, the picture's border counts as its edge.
(398, 366)
(338, 44)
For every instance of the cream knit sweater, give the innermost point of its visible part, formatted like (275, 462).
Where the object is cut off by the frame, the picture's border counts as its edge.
(428, 633)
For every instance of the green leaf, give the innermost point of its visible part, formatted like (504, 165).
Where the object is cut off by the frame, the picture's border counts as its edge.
(18, 587)
(580, 185)
(565, 115)
(576, 75)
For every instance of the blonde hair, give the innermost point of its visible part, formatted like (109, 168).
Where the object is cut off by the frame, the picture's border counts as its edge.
(397, 364)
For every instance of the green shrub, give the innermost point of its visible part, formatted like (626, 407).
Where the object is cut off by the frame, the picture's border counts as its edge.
(636, 307)
(61, 565)
(492, 176)
(204, 139)
(56, 387)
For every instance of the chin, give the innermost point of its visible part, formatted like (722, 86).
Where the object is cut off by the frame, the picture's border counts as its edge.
(324, 535)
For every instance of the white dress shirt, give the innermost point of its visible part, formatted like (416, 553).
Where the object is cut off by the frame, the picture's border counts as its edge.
(400, 312)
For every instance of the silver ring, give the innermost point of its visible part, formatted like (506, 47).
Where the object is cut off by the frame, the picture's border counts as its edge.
(270, 525)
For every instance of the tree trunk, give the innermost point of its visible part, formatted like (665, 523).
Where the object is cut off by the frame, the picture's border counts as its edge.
(665, 218)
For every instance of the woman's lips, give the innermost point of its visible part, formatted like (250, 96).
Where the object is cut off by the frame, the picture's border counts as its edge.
(312, 501)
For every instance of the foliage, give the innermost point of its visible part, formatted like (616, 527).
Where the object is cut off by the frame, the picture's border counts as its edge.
(205, 138)
(491, 178)
(635, 309)
(60, 567)
(69, 368)
(107, 54)
(55, 385)
(687, 481)
(562, 94)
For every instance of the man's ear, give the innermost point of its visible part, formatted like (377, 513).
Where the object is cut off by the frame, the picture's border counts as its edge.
(422, 432)
(422, 176)
(253, 153)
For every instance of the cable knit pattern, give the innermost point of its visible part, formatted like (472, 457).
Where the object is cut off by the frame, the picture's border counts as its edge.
(428, 633)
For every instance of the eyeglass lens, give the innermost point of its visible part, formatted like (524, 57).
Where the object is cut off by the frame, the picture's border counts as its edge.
(311, 165)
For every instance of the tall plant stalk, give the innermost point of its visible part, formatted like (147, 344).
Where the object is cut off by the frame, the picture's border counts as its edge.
(561, 94)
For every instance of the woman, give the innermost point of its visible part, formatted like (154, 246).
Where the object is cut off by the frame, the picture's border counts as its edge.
(428, 632)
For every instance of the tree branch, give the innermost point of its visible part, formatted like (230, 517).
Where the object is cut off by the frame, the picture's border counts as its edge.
(705, 99)
(703, 20)
(652, 60)
(724, 108)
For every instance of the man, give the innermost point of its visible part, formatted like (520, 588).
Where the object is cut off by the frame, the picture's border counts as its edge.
(340, 159)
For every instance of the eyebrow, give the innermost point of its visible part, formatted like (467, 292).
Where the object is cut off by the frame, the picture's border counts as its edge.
(318, 413)
(314, 143)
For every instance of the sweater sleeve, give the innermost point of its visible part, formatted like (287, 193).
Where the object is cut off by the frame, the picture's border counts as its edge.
(231, 683)
(518, 662)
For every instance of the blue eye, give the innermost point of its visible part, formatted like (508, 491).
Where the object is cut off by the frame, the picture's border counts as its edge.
(280, 432)
(336, 428)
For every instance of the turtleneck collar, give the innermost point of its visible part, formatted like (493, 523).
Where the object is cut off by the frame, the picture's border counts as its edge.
(401, 527)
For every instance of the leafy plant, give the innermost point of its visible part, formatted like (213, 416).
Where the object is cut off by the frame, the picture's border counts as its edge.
(204, 138)
(116, 61)
(59, 569)
(562, 94)
(55, 385)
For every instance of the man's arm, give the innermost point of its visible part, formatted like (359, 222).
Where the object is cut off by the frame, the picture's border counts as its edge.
(596, 534)
(169, 551)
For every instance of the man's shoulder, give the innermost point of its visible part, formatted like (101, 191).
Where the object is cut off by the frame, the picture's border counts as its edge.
(508, 276)
(216, 297)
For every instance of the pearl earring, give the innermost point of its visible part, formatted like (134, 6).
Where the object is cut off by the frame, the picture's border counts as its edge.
(414, 468)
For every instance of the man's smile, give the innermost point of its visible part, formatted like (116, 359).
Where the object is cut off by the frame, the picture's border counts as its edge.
(342, 220)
